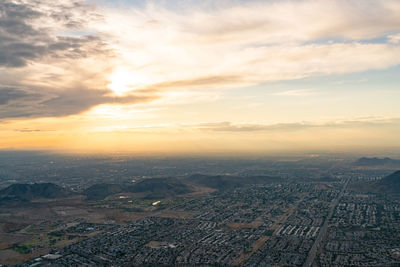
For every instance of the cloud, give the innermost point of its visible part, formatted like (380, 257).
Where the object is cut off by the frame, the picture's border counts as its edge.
(394, 38)
(299, 92)
(48, 103)
(51, 62)
(57, 58)
(208, 81)
(254, 42)
(281, 127)
(9, 94)
(253, 128)
(26, 130)
(30, 31)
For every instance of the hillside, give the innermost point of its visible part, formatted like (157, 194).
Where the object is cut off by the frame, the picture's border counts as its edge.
(221, 182)
(157, 188)
(151, 188)
(387, 185)
(101, 191)
(370, 162)
(160, 187)
(26, 192)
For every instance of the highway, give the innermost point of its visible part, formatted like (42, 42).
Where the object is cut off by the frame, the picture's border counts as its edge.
(322, 233)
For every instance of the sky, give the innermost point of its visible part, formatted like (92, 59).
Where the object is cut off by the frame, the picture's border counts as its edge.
(179, 77)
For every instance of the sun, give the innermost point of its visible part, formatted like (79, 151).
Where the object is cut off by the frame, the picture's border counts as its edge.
(123, 81)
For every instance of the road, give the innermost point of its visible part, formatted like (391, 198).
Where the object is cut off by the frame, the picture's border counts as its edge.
(313, 251)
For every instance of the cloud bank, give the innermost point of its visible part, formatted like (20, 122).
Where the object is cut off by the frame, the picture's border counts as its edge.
(52, 63)
(257, 41)
(342, 124)
(59, 58)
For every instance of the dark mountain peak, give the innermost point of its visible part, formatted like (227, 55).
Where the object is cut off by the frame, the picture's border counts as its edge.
(101, 191)
(151, 187)
(161, 187)
(365, 161)
(33, 191)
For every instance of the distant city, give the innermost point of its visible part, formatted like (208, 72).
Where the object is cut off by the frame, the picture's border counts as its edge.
(158, 133)
(325, 210)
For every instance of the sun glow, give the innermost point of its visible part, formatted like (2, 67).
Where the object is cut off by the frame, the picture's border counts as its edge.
(124, 81)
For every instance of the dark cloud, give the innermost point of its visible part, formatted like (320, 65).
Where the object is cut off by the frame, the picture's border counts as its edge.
(74, 101)
(26, 130)
(17, 103)
(26, 32)
(8, 94)
(31, 32)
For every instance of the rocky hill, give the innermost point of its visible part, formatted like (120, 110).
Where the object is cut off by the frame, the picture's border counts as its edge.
(161, 187)
(389, 184)
(27, 192)
(158, 188)
(101, 191)
(150, 188)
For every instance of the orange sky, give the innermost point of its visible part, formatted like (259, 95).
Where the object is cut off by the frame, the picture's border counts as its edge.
(189, 77)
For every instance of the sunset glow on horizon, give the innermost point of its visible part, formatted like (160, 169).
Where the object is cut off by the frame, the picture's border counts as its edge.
(177, 77)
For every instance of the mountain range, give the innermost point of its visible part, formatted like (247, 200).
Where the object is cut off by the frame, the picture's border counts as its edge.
(364, 161)
(151, 188)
